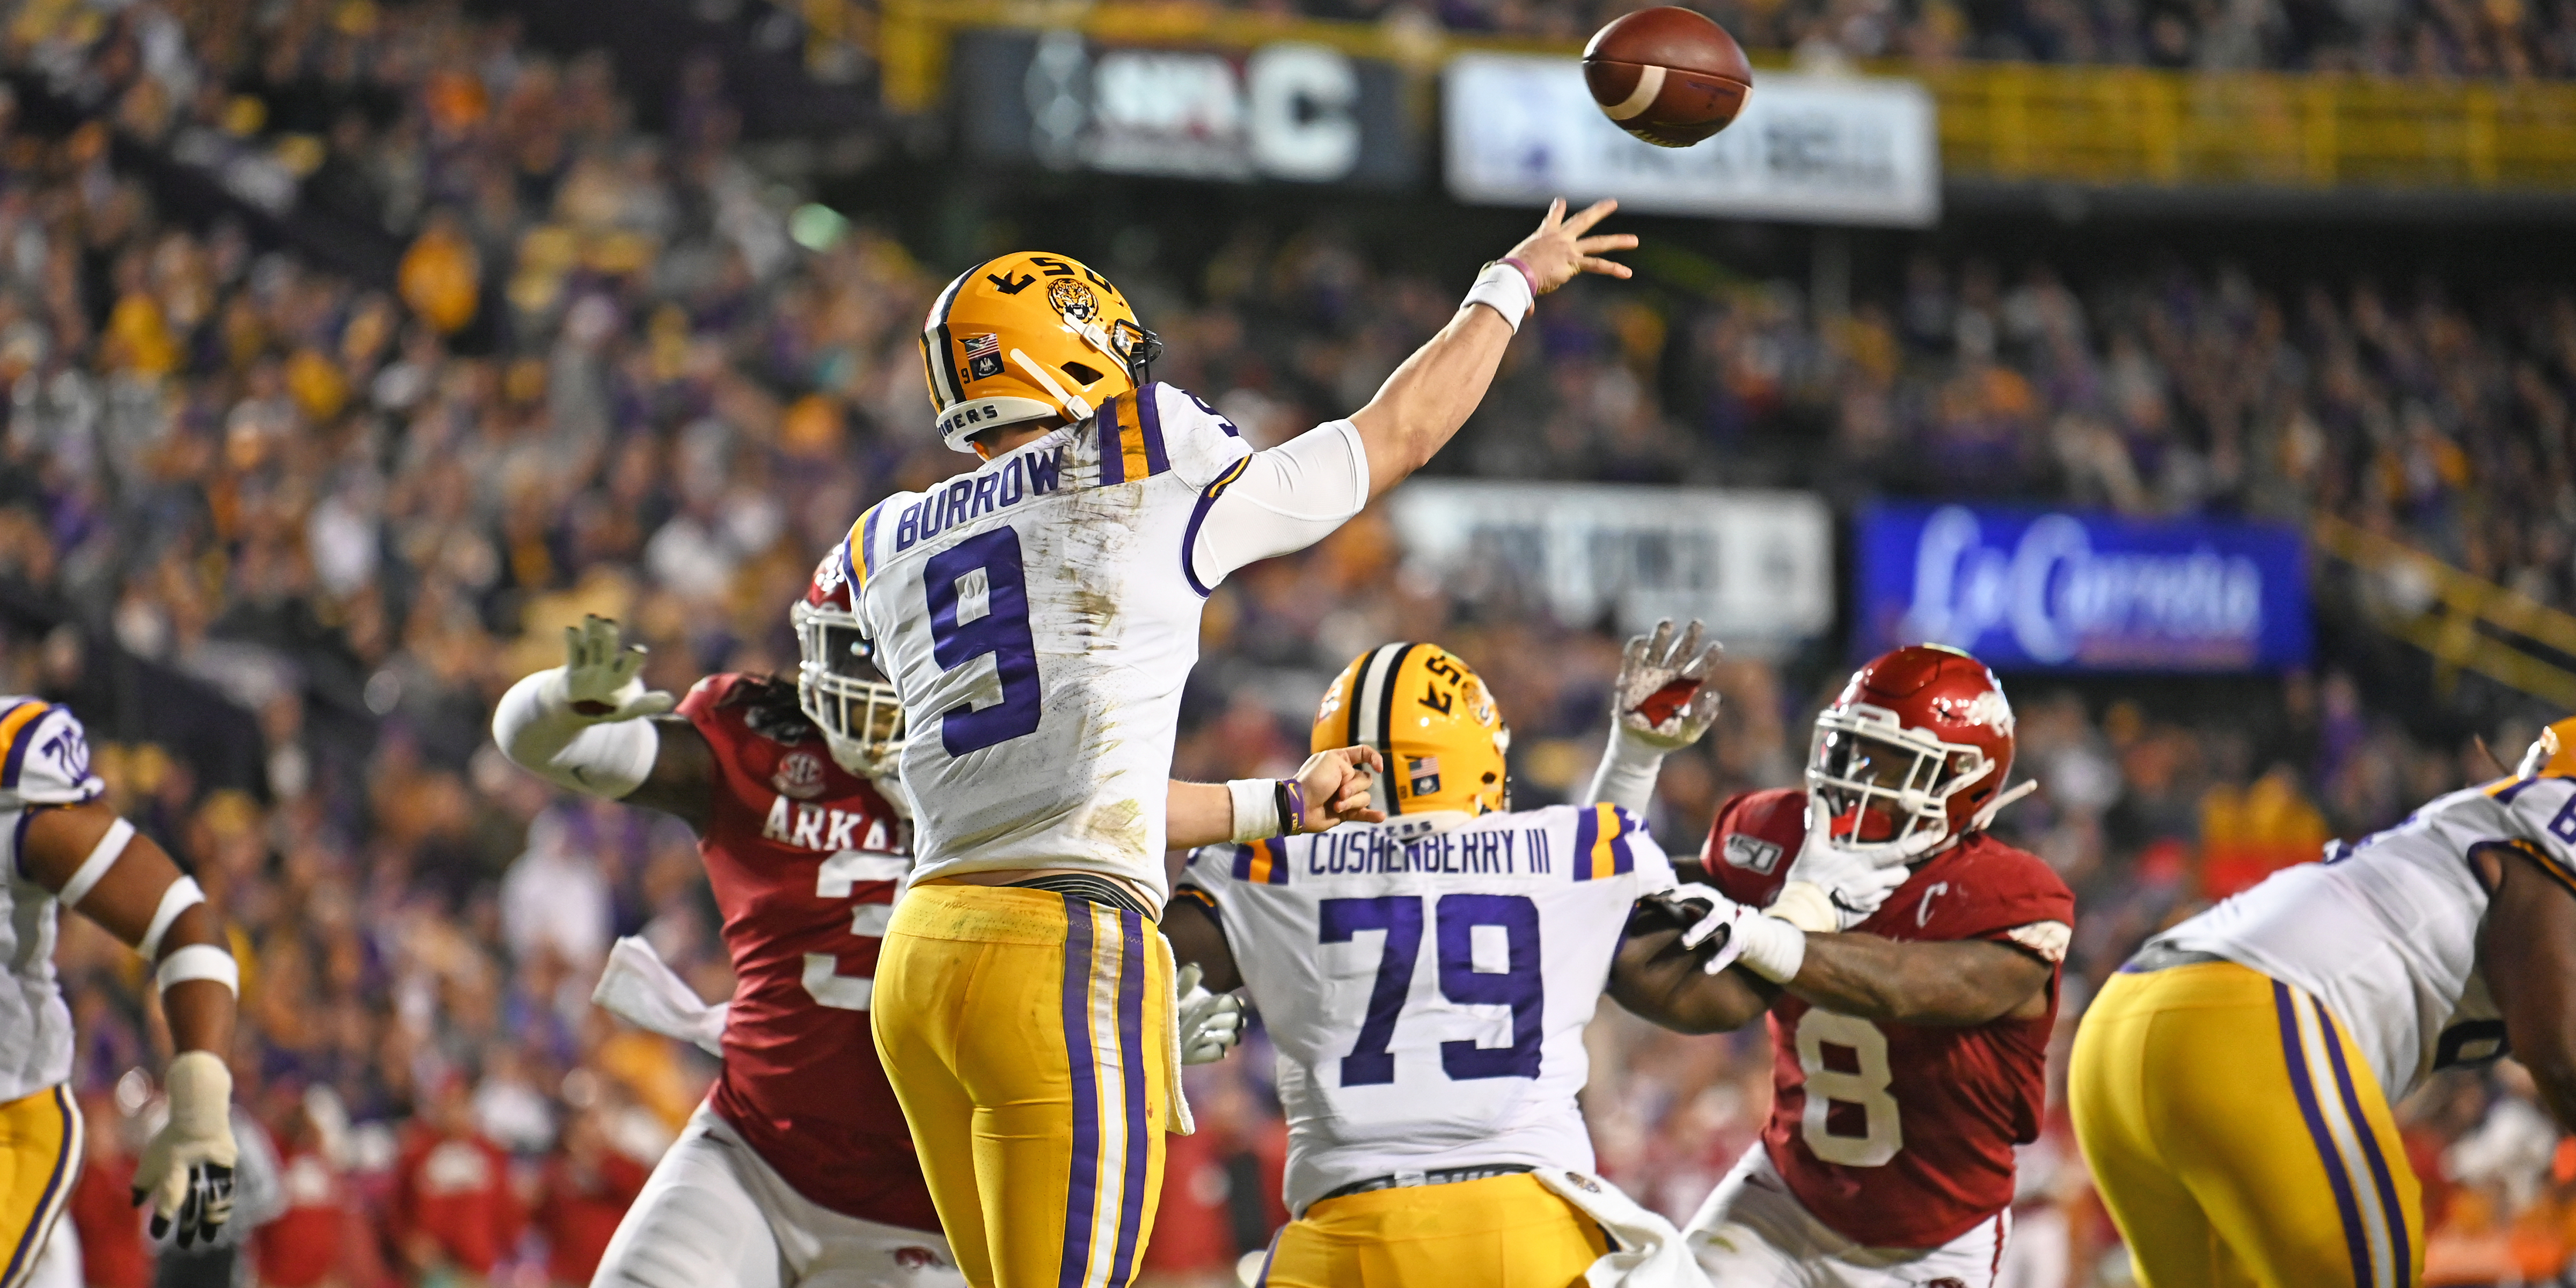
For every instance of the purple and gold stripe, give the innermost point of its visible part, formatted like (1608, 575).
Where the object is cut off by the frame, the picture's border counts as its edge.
(1131, 439)
(1601, 846)
(17, 733)
(2374, 1227)
(56, 1194)
(1104, 1022)
(1131, 1040)
(1262, 862)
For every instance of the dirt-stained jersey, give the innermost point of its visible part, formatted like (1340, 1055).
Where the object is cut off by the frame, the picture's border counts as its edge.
(44, 760)
(1038, 617)
(804, 858)
(1902, 1135)
(2385, 932)
(1428, 999)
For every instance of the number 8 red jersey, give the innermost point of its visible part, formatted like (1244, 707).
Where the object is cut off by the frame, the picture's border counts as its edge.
(803, 857)
(1902, 1135)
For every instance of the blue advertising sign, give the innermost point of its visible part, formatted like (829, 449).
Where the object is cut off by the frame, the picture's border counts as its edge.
(2083, 591)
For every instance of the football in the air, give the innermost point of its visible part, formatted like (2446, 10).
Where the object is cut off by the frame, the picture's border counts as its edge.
(1669, 76)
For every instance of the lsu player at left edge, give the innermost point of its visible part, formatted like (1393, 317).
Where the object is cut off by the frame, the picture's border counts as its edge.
(1038, 617)
(65, 848)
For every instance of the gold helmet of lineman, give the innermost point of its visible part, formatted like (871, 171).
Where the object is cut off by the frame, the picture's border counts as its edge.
(1029, 337)
(1431, 717)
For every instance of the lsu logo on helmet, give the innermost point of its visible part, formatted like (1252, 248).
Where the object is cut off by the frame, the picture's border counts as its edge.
(996, 353)
(1434, 721)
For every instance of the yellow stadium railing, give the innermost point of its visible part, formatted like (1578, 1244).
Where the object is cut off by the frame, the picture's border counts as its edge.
(2123, 125)
(2007, 122)
(2464, 621)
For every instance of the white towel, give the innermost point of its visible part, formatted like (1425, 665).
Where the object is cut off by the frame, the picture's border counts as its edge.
(639, 988)
(1649, 1252)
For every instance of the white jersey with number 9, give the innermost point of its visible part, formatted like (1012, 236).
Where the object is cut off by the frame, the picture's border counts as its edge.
(1040, 615)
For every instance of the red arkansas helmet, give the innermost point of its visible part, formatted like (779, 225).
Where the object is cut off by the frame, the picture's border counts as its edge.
(1913, 753)
(837, 685)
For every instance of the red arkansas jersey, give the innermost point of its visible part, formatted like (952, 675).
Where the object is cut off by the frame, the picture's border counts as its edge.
(1902, 1135)
(804, 857)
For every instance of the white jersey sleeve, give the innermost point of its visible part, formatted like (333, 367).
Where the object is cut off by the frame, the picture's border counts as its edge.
(1286, 498)
(1428, 999)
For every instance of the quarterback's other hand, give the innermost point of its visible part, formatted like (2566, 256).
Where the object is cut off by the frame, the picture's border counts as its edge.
(1336, 785)
(1663, 698)
(1558, 250)
(600, 674)
(1210, 1023)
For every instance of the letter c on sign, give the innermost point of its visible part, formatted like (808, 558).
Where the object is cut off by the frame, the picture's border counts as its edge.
(2039, 621)
(1303, 118)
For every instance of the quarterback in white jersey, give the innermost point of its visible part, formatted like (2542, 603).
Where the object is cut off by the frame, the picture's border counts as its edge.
(1038, 618)
(1427, 982)
(61, 846)
(2334, 988)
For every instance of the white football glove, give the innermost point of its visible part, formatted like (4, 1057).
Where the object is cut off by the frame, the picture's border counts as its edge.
(187, 1168)
(1663, 698)
(1832, 887)
(600, 681)
(1733, 932)
(1210, 1023)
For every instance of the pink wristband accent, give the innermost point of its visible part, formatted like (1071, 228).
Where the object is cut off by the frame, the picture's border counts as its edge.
(1526, 274)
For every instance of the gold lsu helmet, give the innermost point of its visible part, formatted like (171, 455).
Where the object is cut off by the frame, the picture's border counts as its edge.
(1431, 717)
(1026, 337)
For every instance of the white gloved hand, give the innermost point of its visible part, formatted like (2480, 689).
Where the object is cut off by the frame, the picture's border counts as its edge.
(1210, 1023)
(600, 680)
(1733, 932)
(1831, 886)
(187, 1168)
(1663, 698)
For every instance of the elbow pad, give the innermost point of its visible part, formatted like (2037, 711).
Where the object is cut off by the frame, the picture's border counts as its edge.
(543, 735)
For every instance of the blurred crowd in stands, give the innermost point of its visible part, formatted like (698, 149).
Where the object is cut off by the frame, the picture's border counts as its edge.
(281, 530)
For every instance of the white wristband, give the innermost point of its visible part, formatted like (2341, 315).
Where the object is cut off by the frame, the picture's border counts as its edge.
(182, 895)
(102, 856)
(1773, 949)
(1503, 289)
(199, 961)
(1256, 809)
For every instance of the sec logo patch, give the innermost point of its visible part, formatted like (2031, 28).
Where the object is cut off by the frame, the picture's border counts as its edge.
(799, 775)
(1752, 853)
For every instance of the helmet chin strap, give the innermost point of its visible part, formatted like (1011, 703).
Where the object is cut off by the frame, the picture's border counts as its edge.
(1985, 817)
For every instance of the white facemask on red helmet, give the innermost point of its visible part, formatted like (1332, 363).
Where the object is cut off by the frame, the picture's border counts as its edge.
(1913, 754)
(836, 677)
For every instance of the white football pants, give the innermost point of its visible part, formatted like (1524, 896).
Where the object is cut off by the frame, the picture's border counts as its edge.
(1753, 1233)
(715, 1216)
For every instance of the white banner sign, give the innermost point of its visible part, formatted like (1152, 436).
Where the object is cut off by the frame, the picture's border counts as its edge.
(1757, 566)
(1816, 149)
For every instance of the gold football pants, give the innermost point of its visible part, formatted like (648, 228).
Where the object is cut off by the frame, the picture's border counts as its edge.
(40, 1157)
(1029, 1037)
(1500, 1232)
(2239, 1138)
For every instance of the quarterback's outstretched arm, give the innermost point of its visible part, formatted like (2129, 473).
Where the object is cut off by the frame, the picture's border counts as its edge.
(1432, 394)
(2527, 947)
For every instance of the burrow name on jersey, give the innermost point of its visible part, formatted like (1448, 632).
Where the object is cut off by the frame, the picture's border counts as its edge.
(812, 827)
(975, 495)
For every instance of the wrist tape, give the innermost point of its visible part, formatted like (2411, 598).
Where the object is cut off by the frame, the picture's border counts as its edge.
(1256, 809)
(1505, 290)
(1773, 949)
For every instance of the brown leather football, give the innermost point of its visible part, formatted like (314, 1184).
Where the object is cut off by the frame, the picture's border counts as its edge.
(1669, 76)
